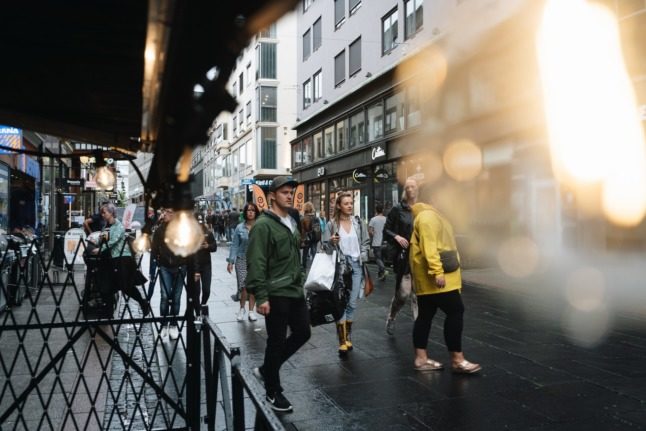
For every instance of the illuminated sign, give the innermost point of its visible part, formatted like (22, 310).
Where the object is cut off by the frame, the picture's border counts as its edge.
(10, 137)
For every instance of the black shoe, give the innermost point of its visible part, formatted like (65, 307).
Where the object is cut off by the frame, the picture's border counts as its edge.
(145, 308)
(279, 403)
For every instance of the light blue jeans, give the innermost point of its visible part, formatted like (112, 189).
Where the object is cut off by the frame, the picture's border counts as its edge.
(172, 284)
(357, 277)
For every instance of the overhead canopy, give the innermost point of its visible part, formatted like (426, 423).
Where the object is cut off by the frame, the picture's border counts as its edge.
(121, 73)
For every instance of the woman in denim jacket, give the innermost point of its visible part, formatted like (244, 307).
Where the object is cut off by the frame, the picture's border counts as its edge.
(238, 258)
(349, 235)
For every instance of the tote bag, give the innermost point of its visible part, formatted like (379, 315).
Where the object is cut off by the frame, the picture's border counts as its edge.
(321, 275)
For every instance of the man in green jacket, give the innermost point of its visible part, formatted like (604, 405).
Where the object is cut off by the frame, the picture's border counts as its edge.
(274, 277)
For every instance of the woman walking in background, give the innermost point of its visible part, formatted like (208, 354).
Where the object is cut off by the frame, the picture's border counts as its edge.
(438, 284)
(238, 259)
(349, 235)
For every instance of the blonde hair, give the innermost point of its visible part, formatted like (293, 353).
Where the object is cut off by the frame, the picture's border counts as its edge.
(337, 204)
(308, 208)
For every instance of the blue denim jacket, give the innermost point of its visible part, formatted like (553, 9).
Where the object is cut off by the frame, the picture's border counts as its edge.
(239, 243)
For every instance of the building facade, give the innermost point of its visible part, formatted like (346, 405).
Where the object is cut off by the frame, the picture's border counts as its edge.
(252, 144)
(388, 88)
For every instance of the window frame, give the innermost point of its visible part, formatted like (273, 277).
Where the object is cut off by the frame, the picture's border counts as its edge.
(355, 43)
(353, 9)
(307, 93)
(307, 44)
(320, 36)
(338, 82)
(317, 89)
(338, 22)
(416, 4)
(394, 12)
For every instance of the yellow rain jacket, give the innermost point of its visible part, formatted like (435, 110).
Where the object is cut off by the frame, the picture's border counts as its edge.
(432, 233)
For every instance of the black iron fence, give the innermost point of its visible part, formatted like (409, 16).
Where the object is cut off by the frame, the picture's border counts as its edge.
(78, 353)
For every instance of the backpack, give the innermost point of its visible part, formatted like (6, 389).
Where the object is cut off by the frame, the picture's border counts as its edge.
(315, 233)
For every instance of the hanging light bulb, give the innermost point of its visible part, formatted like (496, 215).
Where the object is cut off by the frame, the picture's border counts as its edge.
(184, 234)
(105, 178)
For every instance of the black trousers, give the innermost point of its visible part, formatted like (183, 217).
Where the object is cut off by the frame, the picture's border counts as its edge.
(451, 304)
(205, 281)
(283, 313)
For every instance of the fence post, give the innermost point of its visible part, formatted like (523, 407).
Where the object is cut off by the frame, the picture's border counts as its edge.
(210, 387)
(237, 390)
(193, 400)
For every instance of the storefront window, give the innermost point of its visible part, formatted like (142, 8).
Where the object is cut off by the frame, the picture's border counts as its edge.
(341, 135)
(318, 146)
(297, 154)
(316, 194)
(357, 129)
(308, 151)
(414, 114)
(375, 121)
(328, 138)
(394, 113)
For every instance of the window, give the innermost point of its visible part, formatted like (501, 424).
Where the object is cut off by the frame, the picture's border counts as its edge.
(328, 141)
(317, 35)
(235, 125)
(308, 150)
(266, 60)
(319, 150)
(389, 32)
(241, 83)
(307, 4)
(394, 113)
(317, 82)
(341, 135)
(414, 114)
(354, 5)
(414, 11)
(269, 31)
(375, 121)
(339, 68)
(268, 103)
(307, 45)
(307, 94)
(297, 154)
(357, 129)
(241, 119)
(248, 111)
(248, 74)
(339, 13)
(268, 148)
(243, 158)
(354, 63)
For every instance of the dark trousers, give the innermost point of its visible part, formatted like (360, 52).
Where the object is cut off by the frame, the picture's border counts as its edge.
(377, 252)
(284, 312)
(451, 304)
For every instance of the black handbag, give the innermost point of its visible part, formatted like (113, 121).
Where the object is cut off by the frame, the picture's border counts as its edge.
(450, 262)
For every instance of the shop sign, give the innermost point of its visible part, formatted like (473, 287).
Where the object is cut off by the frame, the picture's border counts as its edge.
(320, 171)
(10, 137)
(263, 183)
(378, 152)
(381, 175)
(246, 182)
(71, 243)
(70, 182)
(360, 176)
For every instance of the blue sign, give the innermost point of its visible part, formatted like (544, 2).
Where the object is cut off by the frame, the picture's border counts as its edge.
(246, 181)
(10, 137)
(68, 199)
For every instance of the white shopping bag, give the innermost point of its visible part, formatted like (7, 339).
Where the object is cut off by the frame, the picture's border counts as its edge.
(321, 275)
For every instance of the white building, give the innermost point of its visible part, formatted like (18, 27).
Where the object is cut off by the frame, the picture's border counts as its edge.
(252, 144)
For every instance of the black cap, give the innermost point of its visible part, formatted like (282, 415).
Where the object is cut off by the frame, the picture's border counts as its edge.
(281, 181)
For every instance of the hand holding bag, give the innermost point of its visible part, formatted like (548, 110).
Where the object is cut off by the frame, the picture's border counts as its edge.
(368, 285)
(321, 275)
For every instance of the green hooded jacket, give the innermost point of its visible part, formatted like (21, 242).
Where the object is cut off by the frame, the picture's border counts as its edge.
(273, 260)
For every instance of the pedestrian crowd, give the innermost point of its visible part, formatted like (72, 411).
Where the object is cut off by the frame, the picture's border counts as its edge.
(271, 251)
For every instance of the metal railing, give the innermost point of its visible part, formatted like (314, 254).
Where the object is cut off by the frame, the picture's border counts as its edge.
(217, 353)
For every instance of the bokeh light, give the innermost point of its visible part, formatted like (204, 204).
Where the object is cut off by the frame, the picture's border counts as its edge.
(518, 256)
(463, 160)
(586, 328)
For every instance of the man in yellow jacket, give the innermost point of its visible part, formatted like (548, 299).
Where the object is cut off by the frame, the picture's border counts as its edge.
(437, 285)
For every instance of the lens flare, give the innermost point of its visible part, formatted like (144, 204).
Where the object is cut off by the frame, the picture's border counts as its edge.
(463, 160)
(591, 109)
(184, 234)
(518, 256)
(585, 289)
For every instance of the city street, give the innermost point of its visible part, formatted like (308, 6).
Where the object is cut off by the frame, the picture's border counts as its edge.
(533, 377)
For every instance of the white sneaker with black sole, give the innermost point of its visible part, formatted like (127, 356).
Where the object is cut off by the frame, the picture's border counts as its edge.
(278, 402)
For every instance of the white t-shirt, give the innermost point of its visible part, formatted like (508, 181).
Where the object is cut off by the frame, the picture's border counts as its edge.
(377, 224)
(349, 242)
(289, 222)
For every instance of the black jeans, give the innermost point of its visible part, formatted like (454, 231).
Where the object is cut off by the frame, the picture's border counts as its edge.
(451, 304)
(283, 313)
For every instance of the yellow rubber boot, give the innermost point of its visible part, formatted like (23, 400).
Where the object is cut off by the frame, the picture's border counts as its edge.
(348, 332)
(340, 330)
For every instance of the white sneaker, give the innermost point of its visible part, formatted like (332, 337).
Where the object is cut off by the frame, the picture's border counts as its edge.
(240, 315)
(164, 332)
(173, 332)
(252, 316)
